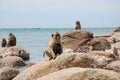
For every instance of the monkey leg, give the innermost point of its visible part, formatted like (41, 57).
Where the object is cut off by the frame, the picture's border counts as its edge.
(49, 55)
(53, 54)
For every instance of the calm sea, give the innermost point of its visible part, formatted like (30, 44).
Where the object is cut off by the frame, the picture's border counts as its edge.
(34, 40)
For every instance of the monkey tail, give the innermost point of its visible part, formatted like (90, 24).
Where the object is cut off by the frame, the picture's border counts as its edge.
(44, 54)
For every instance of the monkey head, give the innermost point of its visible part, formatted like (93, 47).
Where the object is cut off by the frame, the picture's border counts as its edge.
(56, 36)
(77, 22)
(3, 39)
(4, 42)
(10, 34)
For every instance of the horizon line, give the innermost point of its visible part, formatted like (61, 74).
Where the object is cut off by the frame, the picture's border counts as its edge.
(50, 27)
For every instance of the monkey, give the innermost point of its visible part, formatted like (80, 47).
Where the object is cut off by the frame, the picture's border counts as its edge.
(4, 42)
(78, 25)
(11, 40)
(54, 46)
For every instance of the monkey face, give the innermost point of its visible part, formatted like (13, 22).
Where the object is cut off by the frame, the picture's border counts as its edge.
(56, 36)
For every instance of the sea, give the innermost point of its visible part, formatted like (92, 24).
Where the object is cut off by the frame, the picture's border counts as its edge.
(34, 40)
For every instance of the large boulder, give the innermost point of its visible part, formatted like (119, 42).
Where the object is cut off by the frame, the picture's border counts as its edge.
(83, 41)
(115, 65)
(14, 51)
(7, 73)
(12, 61)
(61, 62)
(76, 39)
(103, 58)
(82, 74)
(99, 44)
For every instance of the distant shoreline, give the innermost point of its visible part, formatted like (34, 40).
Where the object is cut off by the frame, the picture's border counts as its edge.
(61, 28)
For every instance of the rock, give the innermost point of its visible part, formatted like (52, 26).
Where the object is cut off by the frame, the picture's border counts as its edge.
(103, 53)
(76, 39)
(103, 36)
(117, 29)
(114, 38)
(62, 62)
(14, 51)
(103, 58)
(117, 46)
(65, 50)
(115, 65)
(7, 73)
(83, 41)
(99, 44)
(82, 74)
(12, 61)
(115, 49)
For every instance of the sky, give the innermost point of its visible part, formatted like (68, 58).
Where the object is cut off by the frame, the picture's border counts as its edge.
(59, 13)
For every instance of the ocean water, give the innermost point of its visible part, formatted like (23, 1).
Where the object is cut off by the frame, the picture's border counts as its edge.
(35, 40)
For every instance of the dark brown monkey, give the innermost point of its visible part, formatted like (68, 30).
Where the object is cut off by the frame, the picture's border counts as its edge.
(11, 40)
(4, 42)
(78, 25)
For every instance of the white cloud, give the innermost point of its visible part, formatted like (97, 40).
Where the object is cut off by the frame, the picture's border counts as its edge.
(60, 5)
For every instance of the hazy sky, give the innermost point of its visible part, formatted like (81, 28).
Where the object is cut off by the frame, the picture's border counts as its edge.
(59, 13)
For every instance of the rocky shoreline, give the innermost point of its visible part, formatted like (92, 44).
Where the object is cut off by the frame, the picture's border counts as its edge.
(85, 57)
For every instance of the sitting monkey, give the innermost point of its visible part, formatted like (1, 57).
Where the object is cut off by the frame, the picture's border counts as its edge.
(4, 42)
(11, 40)
(78, 25)
(54, 46)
